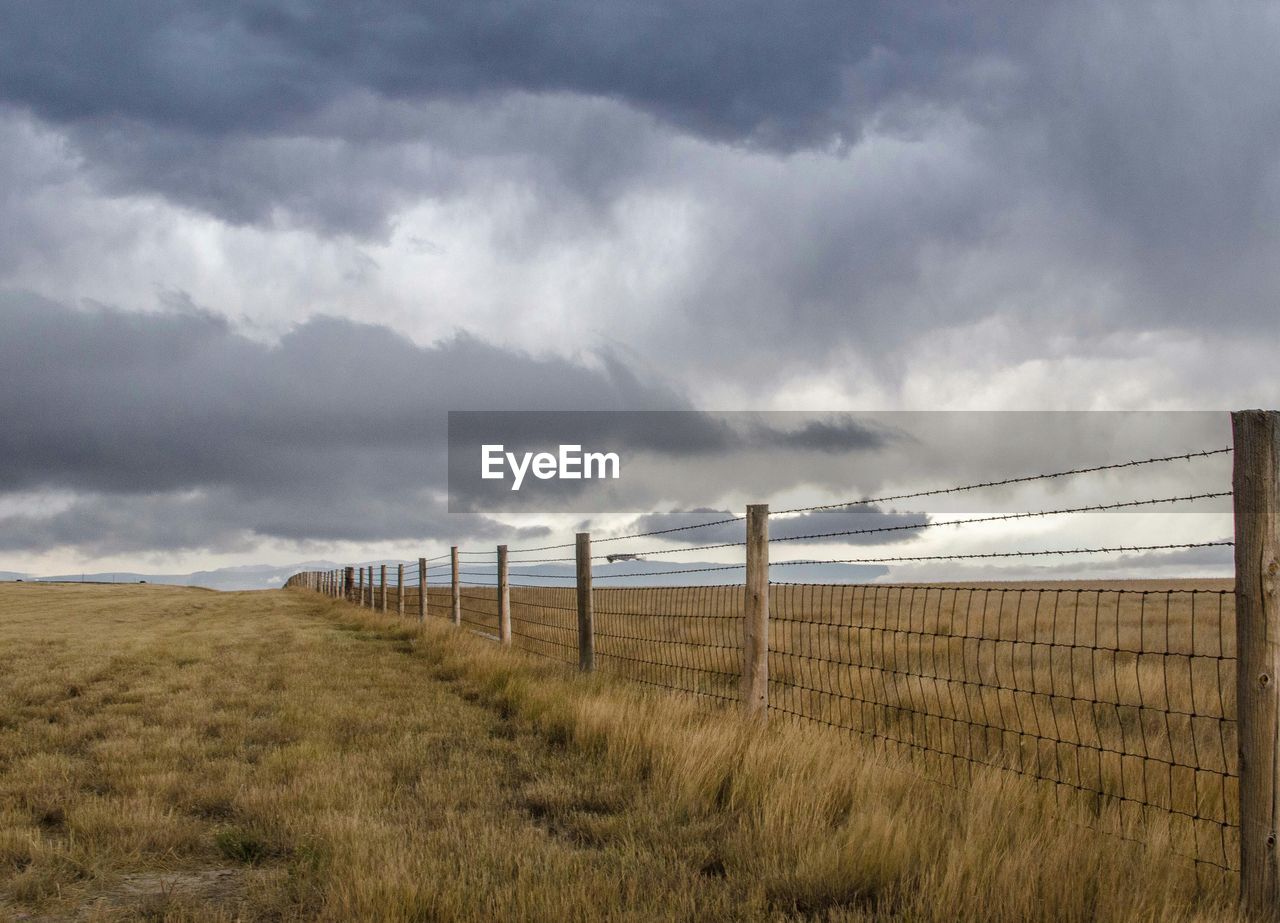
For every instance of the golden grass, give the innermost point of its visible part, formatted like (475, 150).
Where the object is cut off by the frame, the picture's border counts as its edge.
(1109, 693)
(179, 754)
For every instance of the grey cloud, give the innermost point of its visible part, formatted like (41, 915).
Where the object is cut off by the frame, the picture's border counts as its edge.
(1070, 171)
(229, 520)
(835, 433)
(775, 72)
(251, 113)
(177, 431)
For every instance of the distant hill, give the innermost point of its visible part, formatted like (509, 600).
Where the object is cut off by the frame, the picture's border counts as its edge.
(640, 573)
(244, 577)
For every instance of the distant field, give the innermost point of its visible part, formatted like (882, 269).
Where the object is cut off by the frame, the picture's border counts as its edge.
(183, 754)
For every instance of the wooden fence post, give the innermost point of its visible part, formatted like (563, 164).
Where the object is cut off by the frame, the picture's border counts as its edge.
(348, 580)
(422, 589)
(382, 588)
(360, 595)
(1256, 492)
(400, 590)
(586, 611)
(456, 612)
(504, 598)
(755, 623)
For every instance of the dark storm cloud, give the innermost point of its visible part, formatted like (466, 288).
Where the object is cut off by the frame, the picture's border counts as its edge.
(249, 111)
(1042, 146)
(780, 72)
(232, 520)
(834, 434)
(112, 400)
(335, 432)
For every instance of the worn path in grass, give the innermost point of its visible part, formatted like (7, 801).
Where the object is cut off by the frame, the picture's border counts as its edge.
(182, 754)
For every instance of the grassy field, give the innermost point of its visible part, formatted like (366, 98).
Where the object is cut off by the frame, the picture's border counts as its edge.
(1112, 694)
(189, 755)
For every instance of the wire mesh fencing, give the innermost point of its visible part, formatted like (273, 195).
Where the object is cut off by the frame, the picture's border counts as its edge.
(1116, 699)
(683, 638)
(1120, 699)
(544, 621)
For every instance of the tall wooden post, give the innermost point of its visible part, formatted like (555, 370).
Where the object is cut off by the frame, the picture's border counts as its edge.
(504, 598)
(586, 612)
(456, 611)
(382, 588)
(400, 590)
(1256, 492)
(755, 625)
(348, 581)
(360, 596)
(422, 589)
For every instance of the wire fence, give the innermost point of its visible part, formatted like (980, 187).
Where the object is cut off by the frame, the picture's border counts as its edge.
(1124, 697)
(1118, 699)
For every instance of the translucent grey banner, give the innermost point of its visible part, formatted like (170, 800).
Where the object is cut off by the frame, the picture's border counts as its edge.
(668, 466)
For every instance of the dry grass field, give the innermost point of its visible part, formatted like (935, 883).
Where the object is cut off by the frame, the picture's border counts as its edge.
(186, 755)
(1111, 695)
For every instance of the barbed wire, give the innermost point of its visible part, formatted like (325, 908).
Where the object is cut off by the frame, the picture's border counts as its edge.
(618, 538)
(1186, 456)
(1005, 554)
(662, 573)
(1002, 517)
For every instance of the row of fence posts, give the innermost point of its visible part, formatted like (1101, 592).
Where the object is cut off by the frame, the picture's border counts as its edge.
(1256, 506)
(359, 586)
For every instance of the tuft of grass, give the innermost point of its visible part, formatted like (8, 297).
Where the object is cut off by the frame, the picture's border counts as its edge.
(242, 846)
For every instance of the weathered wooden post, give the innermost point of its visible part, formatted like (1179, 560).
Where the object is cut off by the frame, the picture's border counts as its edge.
(348, 581)
(586, 612)
(422, 589)
(1256, 493)
(456, 613)
(382, 581)
(504, 598)
(360, 596)
(755, 625)
(400, 590)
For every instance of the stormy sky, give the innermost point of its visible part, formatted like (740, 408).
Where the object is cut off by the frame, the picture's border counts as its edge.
(252, 254)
